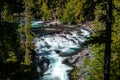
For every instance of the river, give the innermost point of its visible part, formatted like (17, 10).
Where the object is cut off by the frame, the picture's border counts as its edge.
(52, 49)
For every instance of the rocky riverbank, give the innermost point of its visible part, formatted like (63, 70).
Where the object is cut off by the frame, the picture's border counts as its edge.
(57, 37)
(79, 72)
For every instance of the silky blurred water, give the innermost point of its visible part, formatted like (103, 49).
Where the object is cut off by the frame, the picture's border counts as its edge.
(64, 43)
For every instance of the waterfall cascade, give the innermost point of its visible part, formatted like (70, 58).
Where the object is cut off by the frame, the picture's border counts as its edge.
(49, 49)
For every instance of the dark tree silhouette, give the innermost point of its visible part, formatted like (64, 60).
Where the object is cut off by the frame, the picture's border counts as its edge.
(107, 55)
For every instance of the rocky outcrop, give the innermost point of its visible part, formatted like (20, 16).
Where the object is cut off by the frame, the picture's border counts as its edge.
(77, 61)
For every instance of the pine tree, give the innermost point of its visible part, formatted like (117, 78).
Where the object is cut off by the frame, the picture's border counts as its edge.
(28, 5)
(107, 56)
(46, 13)
(105, 17)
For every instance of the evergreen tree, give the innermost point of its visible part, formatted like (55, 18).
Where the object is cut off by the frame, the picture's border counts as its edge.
(103, 21)
(46, 13)
(28, 5)
(73, 11)
(107, 56)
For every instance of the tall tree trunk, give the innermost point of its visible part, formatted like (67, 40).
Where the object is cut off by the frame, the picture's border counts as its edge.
(107, 55)
(27, 27)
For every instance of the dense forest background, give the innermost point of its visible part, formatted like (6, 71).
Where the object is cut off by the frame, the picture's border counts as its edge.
(16, 48)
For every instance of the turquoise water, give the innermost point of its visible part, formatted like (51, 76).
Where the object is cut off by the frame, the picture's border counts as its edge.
(37, 24)
(56, 48)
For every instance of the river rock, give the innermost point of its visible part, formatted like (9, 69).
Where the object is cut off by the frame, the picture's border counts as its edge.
(78, 60)
(42, 65)
(60, 43)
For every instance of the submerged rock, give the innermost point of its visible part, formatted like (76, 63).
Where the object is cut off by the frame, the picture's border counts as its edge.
(55, 50)
(42, 65)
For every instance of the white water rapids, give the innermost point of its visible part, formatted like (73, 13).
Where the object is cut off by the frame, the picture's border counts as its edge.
(51, 46)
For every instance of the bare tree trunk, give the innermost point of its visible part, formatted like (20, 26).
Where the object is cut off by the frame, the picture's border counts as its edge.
(107, 55)
(27, 22)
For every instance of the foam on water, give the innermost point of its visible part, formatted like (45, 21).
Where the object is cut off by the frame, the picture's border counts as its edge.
(57, 70)
(48, 44)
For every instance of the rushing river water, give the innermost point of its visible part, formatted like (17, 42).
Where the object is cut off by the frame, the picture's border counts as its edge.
(49, 48)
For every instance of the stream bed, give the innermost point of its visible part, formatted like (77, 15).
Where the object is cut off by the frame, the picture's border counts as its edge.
(52, 49)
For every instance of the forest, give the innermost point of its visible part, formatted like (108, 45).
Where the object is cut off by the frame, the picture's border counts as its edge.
(17, 50)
